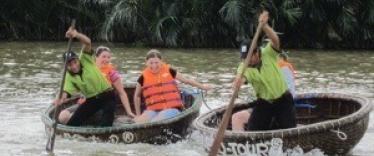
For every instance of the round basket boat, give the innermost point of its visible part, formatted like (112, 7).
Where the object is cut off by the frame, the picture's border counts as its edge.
(122, 131)
(334, 125)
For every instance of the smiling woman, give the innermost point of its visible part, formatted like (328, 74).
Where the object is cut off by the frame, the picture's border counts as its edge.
(103, 61)
(158, 86)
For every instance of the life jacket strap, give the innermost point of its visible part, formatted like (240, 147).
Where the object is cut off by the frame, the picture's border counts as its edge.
(161, 93)
(164, 101)
(159, 85)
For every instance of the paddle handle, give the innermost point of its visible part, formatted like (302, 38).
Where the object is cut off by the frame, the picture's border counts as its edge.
(65, 64)
(227, 115)
(51, 139)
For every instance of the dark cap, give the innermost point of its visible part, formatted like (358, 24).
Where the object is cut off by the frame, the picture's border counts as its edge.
(68, 56)
(244, 47)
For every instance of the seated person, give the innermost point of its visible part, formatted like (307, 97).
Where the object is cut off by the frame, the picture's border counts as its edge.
(103, 56)
(84, 77)
(288, 72)
(158, 86)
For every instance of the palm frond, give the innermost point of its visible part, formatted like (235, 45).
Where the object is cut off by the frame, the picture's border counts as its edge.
(290, 11)
(231, 12)
(346, 21)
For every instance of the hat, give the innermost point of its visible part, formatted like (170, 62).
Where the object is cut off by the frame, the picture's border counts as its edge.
(244, 47)
(70, 55)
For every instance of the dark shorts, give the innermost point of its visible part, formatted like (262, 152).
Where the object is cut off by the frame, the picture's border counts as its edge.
(104, 102)
(278, 114)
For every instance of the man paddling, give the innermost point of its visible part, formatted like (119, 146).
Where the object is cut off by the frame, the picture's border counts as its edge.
(274, 101)
(83, 76)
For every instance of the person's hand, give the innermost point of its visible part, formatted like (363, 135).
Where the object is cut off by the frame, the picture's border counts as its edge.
(132, 115)
(137, 119)
(81, 100)
(57, 102)
(71, 33)
(263, 18)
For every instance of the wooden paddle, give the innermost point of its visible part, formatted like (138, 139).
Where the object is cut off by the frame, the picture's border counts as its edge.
(51, 140)
(227, 116)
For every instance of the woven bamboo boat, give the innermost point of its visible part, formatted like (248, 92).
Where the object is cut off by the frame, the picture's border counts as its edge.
(158, 132)
(334, 126)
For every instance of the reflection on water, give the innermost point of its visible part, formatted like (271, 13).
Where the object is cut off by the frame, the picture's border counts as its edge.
(30, 74)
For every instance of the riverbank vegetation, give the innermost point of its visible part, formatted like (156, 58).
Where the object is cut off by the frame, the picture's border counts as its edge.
(340, 24)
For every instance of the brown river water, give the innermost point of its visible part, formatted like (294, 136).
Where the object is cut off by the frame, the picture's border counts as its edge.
(30, 73)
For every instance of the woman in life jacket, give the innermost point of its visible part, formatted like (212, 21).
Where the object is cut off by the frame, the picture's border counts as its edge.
(103, 57)
(157, 86)
(288, 72)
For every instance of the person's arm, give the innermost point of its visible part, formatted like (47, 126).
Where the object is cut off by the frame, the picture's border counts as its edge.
(123, 96)
(191, 82)
(270, 33)
(137, 98)
(86, 41)
(239, 78)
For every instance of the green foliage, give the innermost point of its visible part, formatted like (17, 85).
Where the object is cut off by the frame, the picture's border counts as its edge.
(193, 23)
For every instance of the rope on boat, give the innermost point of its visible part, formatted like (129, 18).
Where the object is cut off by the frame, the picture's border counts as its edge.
(202, 95)
(204, 99)
(341, 135)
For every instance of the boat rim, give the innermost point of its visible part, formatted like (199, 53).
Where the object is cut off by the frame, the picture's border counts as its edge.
(99, 130)
(305, 129)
